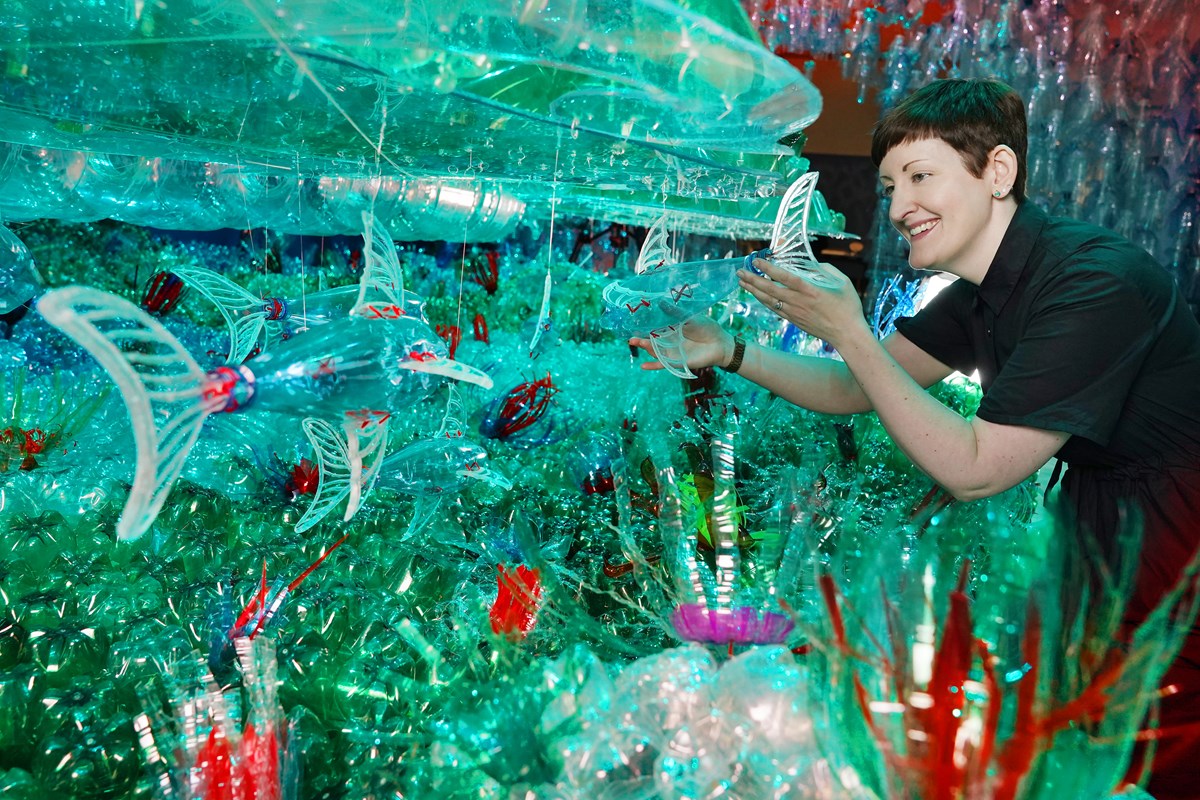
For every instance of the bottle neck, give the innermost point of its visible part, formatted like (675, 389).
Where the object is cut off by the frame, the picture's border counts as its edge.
(228, 389)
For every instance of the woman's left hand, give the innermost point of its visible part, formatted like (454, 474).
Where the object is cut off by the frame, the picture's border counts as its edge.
(818, 311)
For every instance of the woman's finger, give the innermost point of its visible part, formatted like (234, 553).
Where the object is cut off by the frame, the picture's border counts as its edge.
(771, 300)
(636, 344)
(778, 275)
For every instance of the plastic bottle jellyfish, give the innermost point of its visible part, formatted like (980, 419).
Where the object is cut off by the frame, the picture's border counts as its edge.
(591, 464)
(730, 592)
(664, 295)
(253, 321)
(357, 370)
(525, 415)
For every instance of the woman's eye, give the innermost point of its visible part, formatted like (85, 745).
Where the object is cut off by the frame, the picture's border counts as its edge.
(887, 191)
(919, 176)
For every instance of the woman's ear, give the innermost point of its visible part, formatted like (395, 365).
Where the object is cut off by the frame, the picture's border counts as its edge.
(1004, 170)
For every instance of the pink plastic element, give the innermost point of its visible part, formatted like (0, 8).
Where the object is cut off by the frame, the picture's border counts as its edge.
(695, 622)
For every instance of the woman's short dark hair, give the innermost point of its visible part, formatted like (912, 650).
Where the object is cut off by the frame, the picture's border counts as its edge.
(972, 116)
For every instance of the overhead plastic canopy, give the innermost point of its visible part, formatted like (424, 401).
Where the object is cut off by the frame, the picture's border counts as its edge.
(254, 104)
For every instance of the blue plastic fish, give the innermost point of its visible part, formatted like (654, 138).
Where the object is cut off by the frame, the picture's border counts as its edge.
(656, 303)
(356, 370)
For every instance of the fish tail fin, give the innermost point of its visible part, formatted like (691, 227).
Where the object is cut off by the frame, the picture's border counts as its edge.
(243, 312)
(162, 386)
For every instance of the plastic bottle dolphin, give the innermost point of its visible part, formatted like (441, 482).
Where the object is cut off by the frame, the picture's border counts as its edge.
(656, 303)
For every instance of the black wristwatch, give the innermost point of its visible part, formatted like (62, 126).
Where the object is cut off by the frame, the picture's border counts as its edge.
(739, 352)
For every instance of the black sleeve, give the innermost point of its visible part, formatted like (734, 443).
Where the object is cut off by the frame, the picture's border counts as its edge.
(941, 328)
(1077, 360)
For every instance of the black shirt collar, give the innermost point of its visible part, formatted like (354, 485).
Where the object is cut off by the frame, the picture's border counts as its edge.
(1012, 256)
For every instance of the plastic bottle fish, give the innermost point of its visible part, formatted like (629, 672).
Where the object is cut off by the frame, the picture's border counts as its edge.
(664, 295)
(357, 369)
(255, 322)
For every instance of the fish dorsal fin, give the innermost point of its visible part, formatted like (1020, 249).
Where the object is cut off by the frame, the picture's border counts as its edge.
(382, 281)
(790, 245)
(162, 386)
(656, 250)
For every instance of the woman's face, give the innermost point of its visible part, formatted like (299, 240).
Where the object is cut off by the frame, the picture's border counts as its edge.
(944, 212)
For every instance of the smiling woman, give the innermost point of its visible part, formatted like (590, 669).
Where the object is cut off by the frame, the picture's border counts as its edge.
(949, 216)
(1084, 347)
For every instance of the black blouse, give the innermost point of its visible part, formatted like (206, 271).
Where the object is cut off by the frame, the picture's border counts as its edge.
(1075, 329)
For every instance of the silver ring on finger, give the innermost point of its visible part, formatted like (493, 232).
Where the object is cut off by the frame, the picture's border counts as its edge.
(778, 304)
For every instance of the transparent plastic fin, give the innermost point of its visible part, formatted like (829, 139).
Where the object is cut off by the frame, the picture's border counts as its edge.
(790, 245)
(453, 425)
(455, 370)
(382, 281)
(423, 511)
(656, 250)
(366, 445)
(161, 384)
(243, 312)
(334, 470)
(543, 321)
(667, 344)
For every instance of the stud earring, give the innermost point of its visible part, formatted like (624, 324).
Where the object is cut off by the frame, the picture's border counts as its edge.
(997, 194)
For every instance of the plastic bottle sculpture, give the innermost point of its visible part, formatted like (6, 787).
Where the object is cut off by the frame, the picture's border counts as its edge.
(255, 321)
(359, 369)
(656, 303)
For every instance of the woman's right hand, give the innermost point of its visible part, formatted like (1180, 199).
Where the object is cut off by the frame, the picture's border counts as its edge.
(706, 343)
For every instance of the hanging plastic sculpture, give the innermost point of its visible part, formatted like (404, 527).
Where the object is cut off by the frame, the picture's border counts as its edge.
(253, 321)
(657, 302)
(360, 366)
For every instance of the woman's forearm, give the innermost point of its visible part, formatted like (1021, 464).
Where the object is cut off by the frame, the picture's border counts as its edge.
(824, 385)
